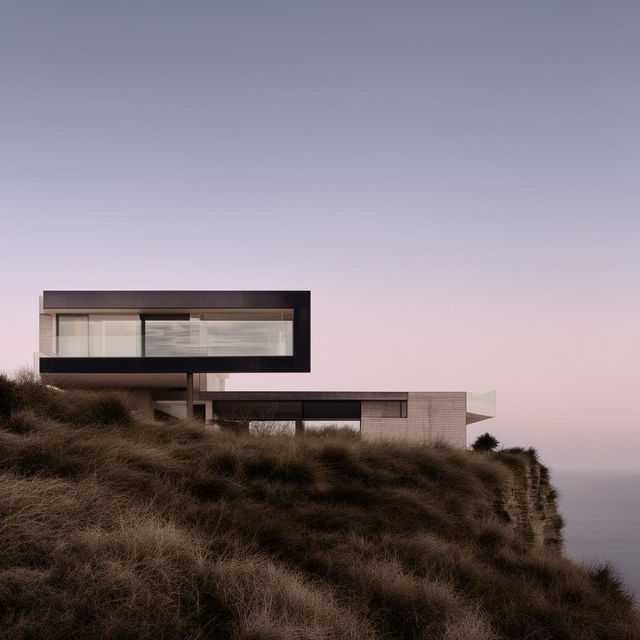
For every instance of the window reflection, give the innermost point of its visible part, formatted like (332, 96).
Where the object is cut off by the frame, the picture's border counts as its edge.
(73, 335)
(247, 337)
(167, 337)
(98, 335)
(114, 335)
(223, 332)
(246, 332)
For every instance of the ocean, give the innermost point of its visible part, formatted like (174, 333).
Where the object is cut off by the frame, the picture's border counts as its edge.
(602, 516)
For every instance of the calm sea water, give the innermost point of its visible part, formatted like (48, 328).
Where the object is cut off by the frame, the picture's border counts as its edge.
(602, 515)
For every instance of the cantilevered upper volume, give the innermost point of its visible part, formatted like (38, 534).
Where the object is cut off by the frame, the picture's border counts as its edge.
(146, 337)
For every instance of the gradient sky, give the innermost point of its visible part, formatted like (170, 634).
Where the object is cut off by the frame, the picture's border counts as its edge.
(456, 182)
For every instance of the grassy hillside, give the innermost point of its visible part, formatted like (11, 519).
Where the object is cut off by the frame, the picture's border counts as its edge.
(112, 528)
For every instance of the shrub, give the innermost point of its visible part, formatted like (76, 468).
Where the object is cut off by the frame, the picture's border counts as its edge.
(22, 422)
(7, 396)
(605, 577)
(99, 409)
(485, 442)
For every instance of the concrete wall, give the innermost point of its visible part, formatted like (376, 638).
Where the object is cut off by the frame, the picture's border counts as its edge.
(430, 417)
(141, 402)
(47, 334)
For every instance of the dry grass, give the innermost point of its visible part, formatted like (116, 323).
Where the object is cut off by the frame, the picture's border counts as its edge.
(112, 528)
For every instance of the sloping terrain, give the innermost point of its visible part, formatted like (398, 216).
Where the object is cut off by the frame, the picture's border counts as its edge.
(114, 528)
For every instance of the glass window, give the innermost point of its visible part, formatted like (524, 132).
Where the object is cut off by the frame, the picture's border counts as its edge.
(114, 335)
(73, 335)
(248, 332)
(167, 337)
(98, 335)
(224, 332)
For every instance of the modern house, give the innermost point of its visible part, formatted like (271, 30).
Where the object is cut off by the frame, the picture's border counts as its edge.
(172, 351)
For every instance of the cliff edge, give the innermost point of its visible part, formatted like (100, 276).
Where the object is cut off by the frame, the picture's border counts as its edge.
(528, 501)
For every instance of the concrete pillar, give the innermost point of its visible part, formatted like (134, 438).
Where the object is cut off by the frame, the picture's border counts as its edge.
(299, 427)
(208, 412)
(189, 396)
(141, 402)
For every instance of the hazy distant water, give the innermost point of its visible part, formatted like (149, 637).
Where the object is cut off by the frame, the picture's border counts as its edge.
(602, 514)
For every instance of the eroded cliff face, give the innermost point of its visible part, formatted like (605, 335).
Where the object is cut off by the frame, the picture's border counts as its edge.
(529, 501)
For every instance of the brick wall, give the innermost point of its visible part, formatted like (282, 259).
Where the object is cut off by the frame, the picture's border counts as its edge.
(430, 417)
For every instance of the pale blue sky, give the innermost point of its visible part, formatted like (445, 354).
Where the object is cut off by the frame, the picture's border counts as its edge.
(456, 182)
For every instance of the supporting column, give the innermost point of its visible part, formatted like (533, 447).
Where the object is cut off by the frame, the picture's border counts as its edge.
(299, 427)
(141, 402)
(189, 396)
(208, 412)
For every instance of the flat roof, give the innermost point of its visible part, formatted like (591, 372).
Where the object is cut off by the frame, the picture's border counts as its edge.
(283, 396)
(52, 300)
